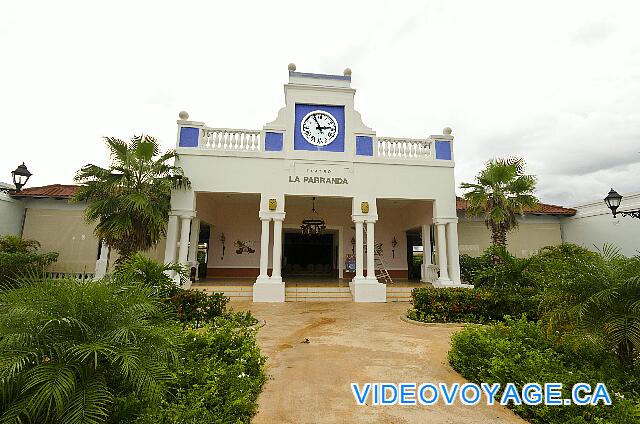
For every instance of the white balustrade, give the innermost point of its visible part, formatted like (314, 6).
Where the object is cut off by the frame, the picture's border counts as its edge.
(404, 148)
(230, 139)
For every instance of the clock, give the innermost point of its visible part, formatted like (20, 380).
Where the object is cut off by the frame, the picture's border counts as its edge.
(319, 128)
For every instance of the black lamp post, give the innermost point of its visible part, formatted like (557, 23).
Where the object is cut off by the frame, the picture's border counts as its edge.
(20, 177)
(613, 201)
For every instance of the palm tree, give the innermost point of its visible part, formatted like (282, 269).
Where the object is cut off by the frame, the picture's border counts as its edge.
(502, 191)
(131, 199)
(15, 244)
(593, 297)
(68, 348)
(20, 257)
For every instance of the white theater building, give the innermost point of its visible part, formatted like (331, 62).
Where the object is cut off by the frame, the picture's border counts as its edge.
(317, 162)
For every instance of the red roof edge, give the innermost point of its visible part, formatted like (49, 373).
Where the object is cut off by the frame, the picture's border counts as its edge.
(56, 191)
(541, 209)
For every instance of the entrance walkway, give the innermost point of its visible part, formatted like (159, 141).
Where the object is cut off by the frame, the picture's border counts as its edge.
(309, 382)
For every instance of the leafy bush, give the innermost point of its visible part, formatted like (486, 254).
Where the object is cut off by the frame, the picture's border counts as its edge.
(219, 377)
(19, 258)
(198, 307)
(470, 265)
(450, 305)
(67, 347)
(592, 295)
(470, 305)
(518, 351)
(142, 270)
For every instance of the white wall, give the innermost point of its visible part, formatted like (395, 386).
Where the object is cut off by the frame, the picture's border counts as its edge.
(11, 215)
(594, 225)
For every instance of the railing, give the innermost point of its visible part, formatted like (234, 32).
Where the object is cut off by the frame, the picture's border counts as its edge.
(230, 139)
(404, 148)
(82, 276)
(432, 273)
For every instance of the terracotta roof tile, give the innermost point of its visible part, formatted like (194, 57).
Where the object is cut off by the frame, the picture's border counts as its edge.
(58, 191)
(542, 209)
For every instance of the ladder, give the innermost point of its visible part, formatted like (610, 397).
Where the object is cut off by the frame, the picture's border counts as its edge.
(381, 272)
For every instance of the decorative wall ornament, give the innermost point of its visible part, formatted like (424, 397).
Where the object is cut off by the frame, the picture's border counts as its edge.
(222, 240)
(273, 204)
(394, 243)
(364, 207)
(244, 247)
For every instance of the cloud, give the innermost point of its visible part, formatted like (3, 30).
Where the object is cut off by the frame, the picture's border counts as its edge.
(594, 32)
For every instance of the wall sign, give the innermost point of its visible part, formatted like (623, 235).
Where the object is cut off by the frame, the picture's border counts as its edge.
(307, 173)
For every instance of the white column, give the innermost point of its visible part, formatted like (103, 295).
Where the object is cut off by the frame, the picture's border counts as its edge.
(103, 262)
(172, 237)
(270, 289)
(452, 251)
(442, 254)
(371, 271)
(185, 227)
(359, 251)
(426, 251)
(277, 250)
(264, 251)
(192, 257)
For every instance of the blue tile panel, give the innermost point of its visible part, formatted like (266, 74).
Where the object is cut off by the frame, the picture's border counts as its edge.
(188, 137)
(364, 145)
(300, 143)
(273, 141)
(443, 150)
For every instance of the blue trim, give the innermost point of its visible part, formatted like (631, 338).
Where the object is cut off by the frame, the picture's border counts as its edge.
(273, 141)
(443, 150)
(300, 143)
(364, 145)
(188, 137)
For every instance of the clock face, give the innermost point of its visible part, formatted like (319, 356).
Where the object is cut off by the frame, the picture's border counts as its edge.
(319, 128)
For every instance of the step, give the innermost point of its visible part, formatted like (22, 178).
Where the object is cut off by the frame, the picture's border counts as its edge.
(399, 294)
(234, 293)
(317, 294)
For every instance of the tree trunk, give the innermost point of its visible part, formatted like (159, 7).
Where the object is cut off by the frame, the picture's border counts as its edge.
(499, 240)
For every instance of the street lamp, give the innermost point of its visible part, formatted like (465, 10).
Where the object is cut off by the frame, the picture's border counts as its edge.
(613, 201)
(20, 177)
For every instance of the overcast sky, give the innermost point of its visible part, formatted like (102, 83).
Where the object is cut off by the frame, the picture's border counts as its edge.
(557, 83)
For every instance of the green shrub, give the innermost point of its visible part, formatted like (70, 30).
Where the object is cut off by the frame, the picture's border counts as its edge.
(450, 305)
(138, 269)
(67, 348)
(593, 295)
(518, 351)
(196, 307)
(470, 265)
(471, 305)
(218, 378)
(20, 258)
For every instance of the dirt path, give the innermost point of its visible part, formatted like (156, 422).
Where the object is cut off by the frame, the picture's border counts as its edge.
(360, 343)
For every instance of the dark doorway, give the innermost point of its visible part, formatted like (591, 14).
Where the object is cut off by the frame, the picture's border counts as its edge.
(414, 256)
(203, 249)
(308, 255)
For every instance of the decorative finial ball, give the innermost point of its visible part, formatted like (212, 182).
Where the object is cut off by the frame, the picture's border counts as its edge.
(183, 115)
(446, 131)
(347, 72)
(292, 67)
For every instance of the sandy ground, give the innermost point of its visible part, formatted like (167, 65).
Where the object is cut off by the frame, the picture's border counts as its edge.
(353, 342)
